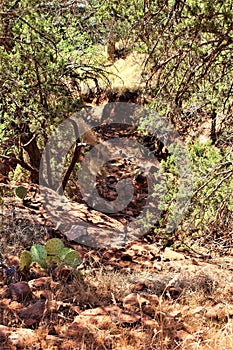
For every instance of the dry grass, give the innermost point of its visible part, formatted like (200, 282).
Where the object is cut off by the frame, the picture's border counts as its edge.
(122, 74)
(184, 308)
(180, 313)
(181, 323)
(127, 72)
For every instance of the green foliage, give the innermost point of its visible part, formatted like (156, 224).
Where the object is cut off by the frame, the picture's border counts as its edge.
(54, 246)
(39, 254)
(210, 210)
(42, 53)
(213, 190)
(50, 50)
(63, 252)
(19, 175)
(187, 47)
(25, 260)
(21, 192)
(71, 258)
(52, 254)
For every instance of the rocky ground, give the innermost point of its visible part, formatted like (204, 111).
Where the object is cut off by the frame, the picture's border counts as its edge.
(137, 297)
(144, 295)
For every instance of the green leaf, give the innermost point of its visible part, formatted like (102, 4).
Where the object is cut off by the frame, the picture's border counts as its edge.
(25, 259)
(73, 259)
(54, 246)
(62, 254)
(38, 253)
(52, 259)
(21, 192)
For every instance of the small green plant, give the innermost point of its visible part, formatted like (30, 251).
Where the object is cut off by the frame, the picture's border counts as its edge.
(52, 254)
(39, 254)
(25, 259)
(21, 192)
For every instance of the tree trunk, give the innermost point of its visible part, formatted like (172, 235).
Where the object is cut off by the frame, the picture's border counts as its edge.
(29, 144)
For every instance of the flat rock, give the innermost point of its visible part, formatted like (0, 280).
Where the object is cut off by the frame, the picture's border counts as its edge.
(19, 291)
(171, 255)
(33, 314)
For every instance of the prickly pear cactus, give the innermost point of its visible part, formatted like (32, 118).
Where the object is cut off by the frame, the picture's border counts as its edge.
(39, 254)
(72, 259)
(54, 246)
(52, 260)
(64, 252)
(25, 259)
(21, 192)
(53, 254)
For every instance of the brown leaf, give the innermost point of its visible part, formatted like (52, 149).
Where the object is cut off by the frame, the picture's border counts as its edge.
(134, 299)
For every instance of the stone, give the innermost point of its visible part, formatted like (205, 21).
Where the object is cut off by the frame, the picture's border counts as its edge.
(19, 291)
(33, 314)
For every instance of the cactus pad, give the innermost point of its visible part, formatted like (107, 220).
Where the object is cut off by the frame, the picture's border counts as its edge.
(72, 259)
(54, 246)
(49, 256)
(21, 192)
(64, 252)
(39, 254)
(25, 259)
(51, 260)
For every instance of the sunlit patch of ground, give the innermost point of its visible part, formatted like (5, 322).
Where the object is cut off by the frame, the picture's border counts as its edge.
(121, 74)
(128, 71)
